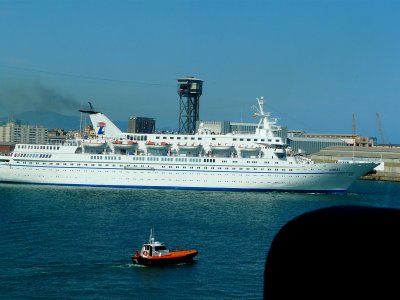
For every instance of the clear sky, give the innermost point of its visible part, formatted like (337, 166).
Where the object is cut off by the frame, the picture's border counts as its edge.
(316, 62)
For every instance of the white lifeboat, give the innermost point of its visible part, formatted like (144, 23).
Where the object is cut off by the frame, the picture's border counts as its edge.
(157, 148)
(94, 145)
(222, 150)
(125, 145)
(249, 151)
(189, 149)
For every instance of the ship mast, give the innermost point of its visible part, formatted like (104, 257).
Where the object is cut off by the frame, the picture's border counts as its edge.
(266, 127)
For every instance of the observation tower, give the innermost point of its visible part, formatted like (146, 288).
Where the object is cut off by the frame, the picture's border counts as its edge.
(189, 91)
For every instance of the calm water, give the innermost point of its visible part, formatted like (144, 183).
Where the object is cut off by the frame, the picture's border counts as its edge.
(69, 242)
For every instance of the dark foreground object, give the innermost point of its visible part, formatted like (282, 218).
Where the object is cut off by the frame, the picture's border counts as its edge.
(342, 252)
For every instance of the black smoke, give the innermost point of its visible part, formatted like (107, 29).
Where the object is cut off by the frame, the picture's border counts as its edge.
(35, 96)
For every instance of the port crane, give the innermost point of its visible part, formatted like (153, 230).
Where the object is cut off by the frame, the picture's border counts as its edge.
(378, 120)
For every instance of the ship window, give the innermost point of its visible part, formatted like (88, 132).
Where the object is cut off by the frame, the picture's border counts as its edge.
(160, 248)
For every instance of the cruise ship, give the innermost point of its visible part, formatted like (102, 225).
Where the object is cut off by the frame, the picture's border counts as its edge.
(259, 161)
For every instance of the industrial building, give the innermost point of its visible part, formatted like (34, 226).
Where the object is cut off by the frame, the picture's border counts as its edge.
(141, 125)
(309, 145)
(224, 127)
(349, 139)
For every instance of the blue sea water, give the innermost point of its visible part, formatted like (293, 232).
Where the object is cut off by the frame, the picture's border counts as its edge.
(76, 243)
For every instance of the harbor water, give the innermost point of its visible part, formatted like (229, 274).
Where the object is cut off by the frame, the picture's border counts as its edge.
(75, 242)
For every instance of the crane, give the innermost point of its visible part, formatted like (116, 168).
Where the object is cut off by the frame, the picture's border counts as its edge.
(354, 124)
(378, 120)
(354, 129)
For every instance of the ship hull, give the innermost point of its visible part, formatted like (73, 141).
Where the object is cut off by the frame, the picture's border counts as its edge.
(179, 257)
(326, 178)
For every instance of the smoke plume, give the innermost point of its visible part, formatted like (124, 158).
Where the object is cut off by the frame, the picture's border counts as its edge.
(21, 97)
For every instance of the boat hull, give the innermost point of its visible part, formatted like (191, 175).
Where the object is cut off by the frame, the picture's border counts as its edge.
(176, 257)
(330, 178)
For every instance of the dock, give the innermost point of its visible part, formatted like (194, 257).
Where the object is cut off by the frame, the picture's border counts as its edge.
(388, 156)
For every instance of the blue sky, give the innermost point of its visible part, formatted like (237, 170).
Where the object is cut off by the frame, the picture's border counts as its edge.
(315, 62)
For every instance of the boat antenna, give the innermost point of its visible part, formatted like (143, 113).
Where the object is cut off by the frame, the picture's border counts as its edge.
(151, 238)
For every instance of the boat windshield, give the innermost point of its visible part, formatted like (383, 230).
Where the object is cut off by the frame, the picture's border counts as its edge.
(160, 248)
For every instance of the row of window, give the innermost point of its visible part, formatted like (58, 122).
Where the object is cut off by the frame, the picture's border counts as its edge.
(237, 180)
(32, 155)
(165, 167)
(144, 138)
(39, 147)
(105, 157)
(150, 158)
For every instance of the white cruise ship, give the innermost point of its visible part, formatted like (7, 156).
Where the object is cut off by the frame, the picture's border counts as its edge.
(202, 161)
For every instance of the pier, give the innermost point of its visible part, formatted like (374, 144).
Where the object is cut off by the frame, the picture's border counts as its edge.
(389, 156)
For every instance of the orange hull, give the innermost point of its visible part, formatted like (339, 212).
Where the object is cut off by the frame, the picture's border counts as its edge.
(174, 257)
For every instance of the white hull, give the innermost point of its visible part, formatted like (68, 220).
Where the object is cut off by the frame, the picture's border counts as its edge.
(221, 174)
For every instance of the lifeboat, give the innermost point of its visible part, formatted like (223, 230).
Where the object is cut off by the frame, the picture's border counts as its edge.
(157, 149)
(222, 150)
(155, 253)
(247, 151)
(125, 145)
(94, 145)
(189, 149)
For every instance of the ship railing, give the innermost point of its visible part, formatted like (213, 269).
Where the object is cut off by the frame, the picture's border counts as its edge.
(303, 160)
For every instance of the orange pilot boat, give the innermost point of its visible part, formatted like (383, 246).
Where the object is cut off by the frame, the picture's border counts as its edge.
(155, 254)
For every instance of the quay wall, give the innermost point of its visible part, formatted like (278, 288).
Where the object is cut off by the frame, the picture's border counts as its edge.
(389, 170)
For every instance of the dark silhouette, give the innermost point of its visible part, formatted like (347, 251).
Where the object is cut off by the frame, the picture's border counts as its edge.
(345, 252)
